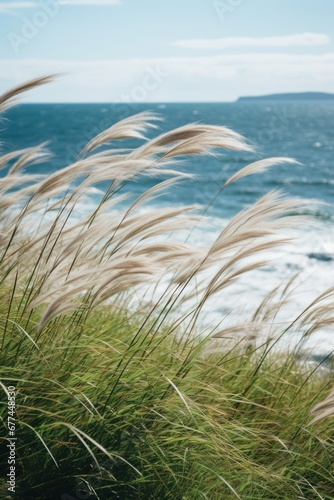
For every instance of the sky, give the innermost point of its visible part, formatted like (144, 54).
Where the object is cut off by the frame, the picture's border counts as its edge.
(167, 51)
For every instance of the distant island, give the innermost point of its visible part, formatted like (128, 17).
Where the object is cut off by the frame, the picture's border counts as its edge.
(292, 96)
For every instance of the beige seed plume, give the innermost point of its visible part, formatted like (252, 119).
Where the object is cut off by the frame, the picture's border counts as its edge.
(31, 156)
(323, 410)
(129, 128)
(9, 98)
(257, 167)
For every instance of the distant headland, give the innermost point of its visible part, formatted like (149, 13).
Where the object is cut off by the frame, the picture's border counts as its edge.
(292, 96)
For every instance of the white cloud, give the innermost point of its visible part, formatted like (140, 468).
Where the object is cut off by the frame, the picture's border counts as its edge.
(214, 78)
(9, 7)
(298, 40)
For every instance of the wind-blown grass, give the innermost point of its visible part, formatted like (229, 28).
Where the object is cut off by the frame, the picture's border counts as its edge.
(121, 401)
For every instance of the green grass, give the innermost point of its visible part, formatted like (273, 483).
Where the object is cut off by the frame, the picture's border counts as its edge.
(156, 418)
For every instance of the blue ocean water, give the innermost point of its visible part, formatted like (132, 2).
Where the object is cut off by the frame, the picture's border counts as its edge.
(301, 130)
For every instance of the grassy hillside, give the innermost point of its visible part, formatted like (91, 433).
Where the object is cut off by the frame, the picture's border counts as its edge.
(129, 399)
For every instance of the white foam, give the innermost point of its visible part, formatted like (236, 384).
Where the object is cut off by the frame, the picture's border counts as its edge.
(311, 254)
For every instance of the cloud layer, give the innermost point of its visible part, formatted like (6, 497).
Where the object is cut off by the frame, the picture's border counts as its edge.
(10, 6)
(212, 78)
(298, 40)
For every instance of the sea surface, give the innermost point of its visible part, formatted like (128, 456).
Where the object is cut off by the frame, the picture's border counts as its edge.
(301, 130)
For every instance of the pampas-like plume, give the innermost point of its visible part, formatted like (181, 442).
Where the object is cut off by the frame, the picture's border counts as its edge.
(65, 263)
(10, 98)
(323, 410)
(257, 167)
(129, 128)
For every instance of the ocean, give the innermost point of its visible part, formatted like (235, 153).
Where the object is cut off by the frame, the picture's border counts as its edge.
(301, 130)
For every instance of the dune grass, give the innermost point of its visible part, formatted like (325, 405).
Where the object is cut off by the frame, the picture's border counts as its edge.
(118, 398)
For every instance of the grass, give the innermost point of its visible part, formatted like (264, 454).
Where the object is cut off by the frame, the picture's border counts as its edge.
(120, 401)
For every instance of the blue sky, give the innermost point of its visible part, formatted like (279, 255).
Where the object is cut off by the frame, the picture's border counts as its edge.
(175, 50)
